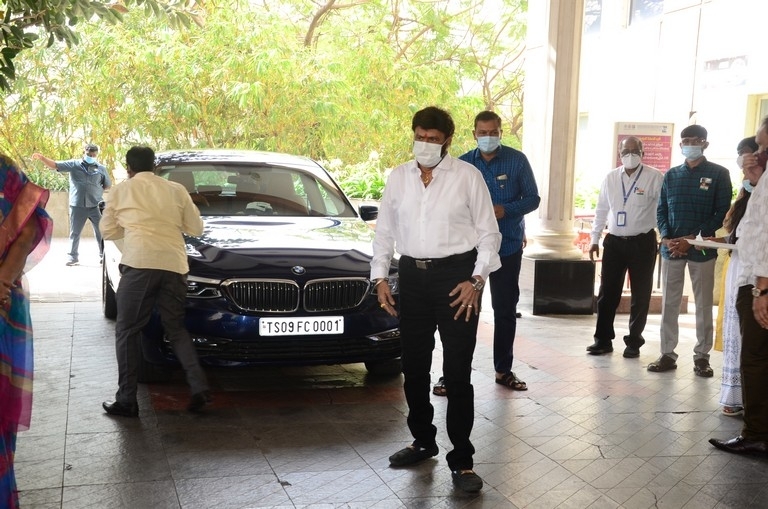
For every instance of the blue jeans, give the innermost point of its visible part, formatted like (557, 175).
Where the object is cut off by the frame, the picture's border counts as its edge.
(505, 294)
(77, 218)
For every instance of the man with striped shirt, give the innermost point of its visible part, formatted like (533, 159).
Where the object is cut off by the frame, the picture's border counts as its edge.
(514, 193)
(695, 197)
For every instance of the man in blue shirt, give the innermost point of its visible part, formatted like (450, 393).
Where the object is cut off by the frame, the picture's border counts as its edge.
(514, 193)
(87, 182)
(695, 197)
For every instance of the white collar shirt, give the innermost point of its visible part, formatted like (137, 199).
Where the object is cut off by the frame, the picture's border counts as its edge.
(452, 215)
(150, 214)
(642, 190)
(752, 234)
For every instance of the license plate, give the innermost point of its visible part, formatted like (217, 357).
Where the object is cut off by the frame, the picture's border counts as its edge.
(301, 326)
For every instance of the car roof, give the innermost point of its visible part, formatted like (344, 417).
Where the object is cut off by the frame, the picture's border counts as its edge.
(231, 156)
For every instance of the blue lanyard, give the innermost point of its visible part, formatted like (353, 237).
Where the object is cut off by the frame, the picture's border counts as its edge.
(626, 193)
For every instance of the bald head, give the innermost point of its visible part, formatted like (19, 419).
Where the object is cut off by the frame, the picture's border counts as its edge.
(631, 152)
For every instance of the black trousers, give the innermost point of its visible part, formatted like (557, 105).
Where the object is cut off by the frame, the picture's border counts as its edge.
(754, 368)
(424, 308)
(636, 255)
(505, 294)
(139, 291)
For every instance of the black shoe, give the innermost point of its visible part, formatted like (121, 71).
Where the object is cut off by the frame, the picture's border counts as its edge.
(412, 454)
(599, 349)
(663, 363)
(741, 445)
(518, 314)
(121, 409)
(467, 480)
(701, 368)
(631, 352)
(199, 400)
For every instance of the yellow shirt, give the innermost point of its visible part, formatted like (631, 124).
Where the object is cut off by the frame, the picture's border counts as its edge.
(150, 214)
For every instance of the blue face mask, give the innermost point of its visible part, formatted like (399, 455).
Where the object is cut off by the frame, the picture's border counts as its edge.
(488, 144)
(748, 187)
(692, 152)
(89, 160)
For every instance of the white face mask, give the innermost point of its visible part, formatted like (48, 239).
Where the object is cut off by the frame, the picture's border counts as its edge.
(631, 161)
(427, 154)
(488, 144)
(740, 162)
(692, 152)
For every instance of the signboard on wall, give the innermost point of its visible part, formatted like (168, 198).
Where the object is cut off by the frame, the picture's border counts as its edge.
(657, 138)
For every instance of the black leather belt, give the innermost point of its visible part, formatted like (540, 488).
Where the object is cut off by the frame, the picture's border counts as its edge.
(631, 237)
(429, 263)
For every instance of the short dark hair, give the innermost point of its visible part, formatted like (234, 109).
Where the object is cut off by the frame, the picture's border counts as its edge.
(747, 143)
(485, 116)
(694, 131)
(91, 147)
(432, 117)
(140, 159)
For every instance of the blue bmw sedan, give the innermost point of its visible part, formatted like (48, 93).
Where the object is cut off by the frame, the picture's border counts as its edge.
(280, 275)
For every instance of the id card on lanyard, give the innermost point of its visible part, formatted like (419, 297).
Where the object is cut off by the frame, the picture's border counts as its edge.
(621, 217)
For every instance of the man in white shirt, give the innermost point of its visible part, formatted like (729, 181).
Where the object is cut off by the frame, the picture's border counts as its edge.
(151, 214)
(627, 204)
(437, 213)
(752, 307)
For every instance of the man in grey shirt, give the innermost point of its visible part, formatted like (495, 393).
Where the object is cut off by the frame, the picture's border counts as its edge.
(87, 182)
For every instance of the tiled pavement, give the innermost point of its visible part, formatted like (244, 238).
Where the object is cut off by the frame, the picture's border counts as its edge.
(591, 431)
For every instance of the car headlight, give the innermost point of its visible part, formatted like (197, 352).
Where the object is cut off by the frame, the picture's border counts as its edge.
(393, 281)
(202, 288)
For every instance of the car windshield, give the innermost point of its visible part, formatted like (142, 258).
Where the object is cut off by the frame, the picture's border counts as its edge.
(236, 189)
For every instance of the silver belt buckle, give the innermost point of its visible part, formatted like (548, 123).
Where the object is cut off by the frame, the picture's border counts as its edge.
(422, 264)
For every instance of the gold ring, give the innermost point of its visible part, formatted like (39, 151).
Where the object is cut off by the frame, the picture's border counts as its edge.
(463, 305)
(383, 304)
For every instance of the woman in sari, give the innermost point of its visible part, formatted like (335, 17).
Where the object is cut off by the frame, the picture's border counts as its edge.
(25, 234)
(729, 331)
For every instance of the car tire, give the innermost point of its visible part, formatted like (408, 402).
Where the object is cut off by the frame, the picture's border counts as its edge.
(388, 367)
(108, 297)
(148, 373)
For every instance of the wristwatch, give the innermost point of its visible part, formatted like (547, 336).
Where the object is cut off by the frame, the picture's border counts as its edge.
(478, 284)
(759, 292)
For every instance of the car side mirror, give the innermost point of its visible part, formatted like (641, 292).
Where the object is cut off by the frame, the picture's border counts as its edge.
(369, 212)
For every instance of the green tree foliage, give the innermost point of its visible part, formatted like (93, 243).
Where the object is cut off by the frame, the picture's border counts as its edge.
(24, 22)
(336, 82)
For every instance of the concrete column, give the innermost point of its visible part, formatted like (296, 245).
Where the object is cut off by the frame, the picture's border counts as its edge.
(551, 118)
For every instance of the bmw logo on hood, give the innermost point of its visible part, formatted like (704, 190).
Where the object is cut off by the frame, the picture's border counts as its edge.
(298, 270)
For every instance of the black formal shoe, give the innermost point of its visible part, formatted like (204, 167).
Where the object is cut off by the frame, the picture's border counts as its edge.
(121, 409)
(597, 349)
(199, 400)
(741, 445)
(467, 480)
(412, 454)
(631, 352)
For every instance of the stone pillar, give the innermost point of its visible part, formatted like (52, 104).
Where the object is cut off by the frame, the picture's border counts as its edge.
(550, 120)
